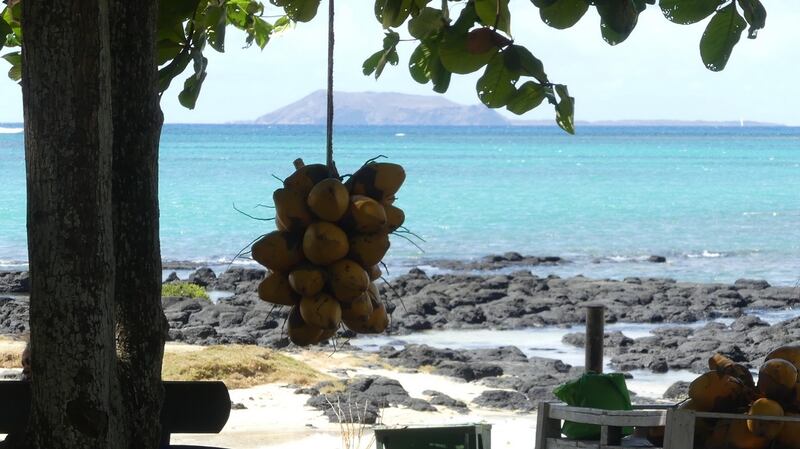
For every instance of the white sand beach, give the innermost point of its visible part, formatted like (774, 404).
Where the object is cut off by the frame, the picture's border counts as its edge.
(277, 418)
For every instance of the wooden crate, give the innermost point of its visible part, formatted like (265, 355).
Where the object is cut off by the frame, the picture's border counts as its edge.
(679, 424)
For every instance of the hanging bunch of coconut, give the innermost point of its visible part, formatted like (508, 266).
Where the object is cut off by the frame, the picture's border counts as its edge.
(729, 388)
(326, 252)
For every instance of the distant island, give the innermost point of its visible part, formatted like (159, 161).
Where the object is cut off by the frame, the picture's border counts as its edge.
(389, 108)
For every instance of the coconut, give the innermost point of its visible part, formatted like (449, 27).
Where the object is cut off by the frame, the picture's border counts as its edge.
(275, 289)
(307, 280)
(777, 379)
(279, 251)
(321, 310)
(347, 280)
(300, 332)
(766, 429)
(324, 243)
(329, 199)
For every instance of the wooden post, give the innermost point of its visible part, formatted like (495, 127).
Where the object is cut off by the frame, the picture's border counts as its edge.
(595, 319)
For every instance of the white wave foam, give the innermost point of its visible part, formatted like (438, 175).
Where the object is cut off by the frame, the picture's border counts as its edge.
(10, 130)
(399, 134)
(706, 254)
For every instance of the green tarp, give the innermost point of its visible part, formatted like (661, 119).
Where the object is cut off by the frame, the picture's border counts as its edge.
(603, 391)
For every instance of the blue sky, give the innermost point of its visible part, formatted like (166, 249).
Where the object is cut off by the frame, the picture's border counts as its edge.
(655, 74)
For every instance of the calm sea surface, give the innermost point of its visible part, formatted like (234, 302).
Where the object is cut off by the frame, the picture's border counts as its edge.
(719, 203)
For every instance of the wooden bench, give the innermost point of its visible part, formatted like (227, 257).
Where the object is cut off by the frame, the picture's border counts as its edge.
(189, 407)
(679, 424)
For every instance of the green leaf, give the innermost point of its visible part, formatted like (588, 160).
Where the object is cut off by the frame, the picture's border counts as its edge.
(529, 96)
(169, 72)
(377, 62)
(425, 65)
(466, 20)
(298, 10)
(755, 14)
(261, 31)
(167, 50)
(193, 84)
(565, 109)
(521, 59)
(5, 29)
(617, 20)
(428, 22)
(281, 24)
(496, 86)
(563, 13)
(215, 20)
(492, 12)
(721, 35)
(392, 13)
(687, 12)
(171, 12)
(457, 58)
(542, 3)
(15, 59)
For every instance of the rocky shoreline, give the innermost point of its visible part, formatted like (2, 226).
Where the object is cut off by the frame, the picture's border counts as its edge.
(518, 300)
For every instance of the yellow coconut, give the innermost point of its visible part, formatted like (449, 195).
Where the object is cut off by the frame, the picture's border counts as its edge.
(281, 226)
(724, 365)
(278, 251)
(395, 217)
(374, 272)
(364, 215)
(740, 437)
(766, 429)
(368, 249)
(322, 311)
(327, 334)
(305, 178)
(324, 243)
(378, 180)
(789, 436)
(712, 392)
(300, 332)
(307, 280)
(291, 209)
(789, 353)
(275, 289)
(348, 280)
(777, 379)
(358, 310)
(329, 199)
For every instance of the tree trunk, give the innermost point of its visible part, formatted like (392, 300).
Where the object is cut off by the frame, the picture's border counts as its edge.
(68, 151)
(141, 326)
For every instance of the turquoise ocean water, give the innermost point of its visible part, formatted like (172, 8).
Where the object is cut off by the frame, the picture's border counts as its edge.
(719, 203)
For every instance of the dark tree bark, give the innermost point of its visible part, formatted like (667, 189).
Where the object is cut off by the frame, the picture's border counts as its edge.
(68, 152)
(141, 325)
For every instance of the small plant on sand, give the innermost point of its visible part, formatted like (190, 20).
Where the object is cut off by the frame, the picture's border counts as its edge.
(183, 289)
(353, 429)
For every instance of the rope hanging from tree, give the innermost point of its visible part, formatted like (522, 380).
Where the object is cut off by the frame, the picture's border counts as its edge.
(329, 137)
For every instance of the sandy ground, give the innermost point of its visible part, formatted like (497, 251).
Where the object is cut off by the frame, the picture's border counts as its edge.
(277, 418)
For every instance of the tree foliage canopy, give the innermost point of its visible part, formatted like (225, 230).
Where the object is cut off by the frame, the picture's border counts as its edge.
(451, 37)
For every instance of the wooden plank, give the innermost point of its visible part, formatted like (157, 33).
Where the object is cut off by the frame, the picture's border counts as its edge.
(610, 435)
(621, 418)
(680, 429)
(546, 427)
(557, 443)
(744, 416)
